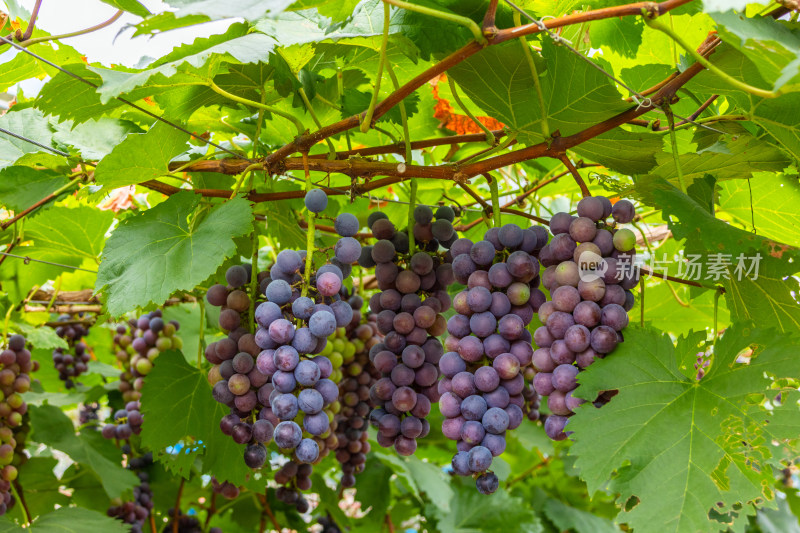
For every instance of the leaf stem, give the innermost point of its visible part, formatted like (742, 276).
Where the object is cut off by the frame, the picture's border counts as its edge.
(496, 209)
(340, 87)
(490, 138)
(491, 151)
(309, 234)
(177, 509)
(367, 122)
(536, 82)
(403, 114)
(656, 24)
(96, 27)
(258, 105)
(20, 495)
(470, 24)
(674, 141)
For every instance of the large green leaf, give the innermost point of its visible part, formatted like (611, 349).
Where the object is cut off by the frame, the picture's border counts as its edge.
(629, 152)
(247, 9)
(781, 118)
(131, 6)
(54, 429)
(703, 440)
(93, 139)
(141, 157)
(235, 46)
(77, 520)
(21, 187)
(28, 123)
(471, 512)
(740, 158)
(762, 289)
(767, 200)
(570, 518)
(772, 46)
(499, 80)
(178, 408)
(152, 255)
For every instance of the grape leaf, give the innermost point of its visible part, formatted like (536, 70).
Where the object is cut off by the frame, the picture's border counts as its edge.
(499, 80)
(53, 428)
(177, 405)
(569, 518)
(29, 123)
(77, 520)
(21, 187)
(235, 45)
(629, 152)
(774, 204)
(21, 67)
(84, 102)
(703, 440)
(141, 157)
(781, 118)
(744, 155)
(131, 6)
(623, 34)
(422, 477)
(767, 298)
(663, 310)
(152, 255)
(247, 9)
(96, 138)
(773, 47)
(471, 511)
(335, 9)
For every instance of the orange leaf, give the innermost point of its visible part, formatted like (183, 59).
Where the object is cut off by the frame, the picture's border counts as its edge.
(460, 124)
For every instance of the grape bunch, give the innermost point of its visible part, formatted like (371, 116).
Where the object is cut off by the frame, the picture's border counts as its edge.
(589, 273)
(352, 421)
(488, 345)
(126, 422)
(413, 296)
(88, 413)
(136, 511)
(274, 373)
(293, 478)
(72, 362)
(226, 489)
(137, 346)
(14, 381)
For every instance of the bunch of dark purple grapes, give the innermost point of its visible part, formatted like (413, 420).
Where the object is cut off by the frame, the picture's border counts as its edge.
(352, 421)
(413, 296)
(136, 511)
(226, 489)
(589, 273)
(328, 524)
(88, 413)
(71, 363)
(126, 422)
(489, 345)
(14, 427)
(137, 346)
(294, 477)
(273, 373)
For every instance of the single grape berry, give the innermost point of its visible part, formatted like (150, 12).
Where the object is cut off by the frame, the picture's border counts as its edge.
(316, 200)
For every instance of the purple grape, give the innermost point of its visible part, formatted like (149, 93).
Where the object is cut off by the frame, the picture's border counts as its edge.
(479, 459)
(564, 378)
(473, 407)
(559, 223)
(614, 316)
(591, 207)
(307, 451)
(316, 424)
(554, 427)
(472, 432)
(604, 339)
(577, 337)
(623, 212)
(287, 435)
(543, 383)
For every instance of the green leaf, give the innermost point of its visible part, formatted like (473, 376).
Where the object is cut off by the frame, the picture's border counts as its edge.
(773, 208)
(53, 428)
(628, 152)
(334, 9)
(757, 277)
(745, 155)
(773, 47)
(569, 518)
(781, 118)
(77, 520)
(28, 123)
(576, 95)
(41, 337)
(166, 21)
(178, 407)
(663, 310)
(21, 187)
(248, 9)
(711, 434)
(22, 67)
(471, 512)
(141, 157)
(779, 520)
(131, 6)
(152, 255)
(235, 46)
(94, 139)
(623, 34)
